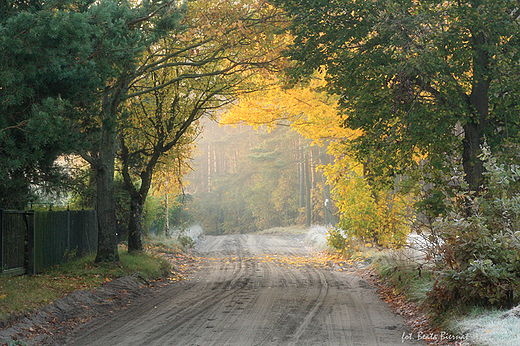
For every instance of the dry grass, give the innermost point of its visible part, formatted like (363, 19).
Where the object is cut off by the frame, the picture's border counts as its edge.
(20, 295)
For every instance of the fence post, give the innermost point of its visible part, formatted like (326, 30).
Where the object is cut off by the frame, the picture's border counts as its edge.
(1, 241)
(31, 258)
(68, 232)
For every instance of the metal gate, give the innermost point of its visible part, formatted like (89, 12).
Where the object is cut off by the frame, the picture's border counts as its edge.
(16, 241)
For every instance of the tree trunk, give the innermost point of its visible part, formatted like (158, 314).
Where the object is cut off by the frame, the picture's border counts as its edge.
(137, 197)
(107, 223)
(301, 176)
(167, 217)
(308, 187)
(103, 164)
(327, 202)
(473, 166)
(134, 223)
(478, 101)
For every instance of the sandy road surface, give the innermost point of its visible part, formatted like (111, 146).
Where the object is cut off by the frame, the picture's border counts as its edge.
(252, 290)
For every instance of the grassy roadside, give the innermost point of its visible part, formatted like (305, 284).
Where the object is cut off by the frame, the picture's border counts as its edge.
(404, 281)
(20, 295)
(408, 277)
(405, 285)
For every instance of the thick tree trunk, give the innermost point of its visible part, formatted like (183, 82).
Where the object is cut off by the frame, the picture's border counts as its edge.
(478, 100)
(473, 166)
(134, 224)
(104, 164)
(104, 167)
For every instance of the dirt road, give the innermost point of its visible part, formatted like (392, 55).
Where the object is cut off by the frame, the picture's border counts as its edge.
(252, 290)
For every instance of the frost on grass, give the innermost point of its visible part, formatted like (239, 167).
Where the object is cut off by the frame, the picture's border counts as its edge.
(493, 328)
(317, 236)
(187, 237)
(193, 232)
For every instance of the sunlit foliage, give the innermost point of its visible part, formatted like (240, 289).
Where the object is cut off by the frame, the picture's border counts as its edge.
(366, 212)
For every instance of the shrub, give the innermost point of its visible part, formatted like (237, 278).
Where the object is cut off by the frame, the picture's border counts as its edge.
(479, 255)
(373, 215)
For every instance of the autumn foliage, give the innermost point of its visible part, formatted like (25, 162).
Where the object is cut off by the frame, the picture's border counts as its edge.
(374, 215)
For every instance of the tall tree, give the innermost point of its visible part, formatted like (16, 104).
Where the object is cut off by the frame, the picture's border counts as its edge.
(420, 78)
(160, 128)
(124, 30)
(45, 83)
(188, 74)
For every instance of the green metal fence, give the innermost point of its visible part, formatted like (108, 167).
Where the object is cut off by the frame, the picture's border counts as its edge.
(33, 241)
(16, 240)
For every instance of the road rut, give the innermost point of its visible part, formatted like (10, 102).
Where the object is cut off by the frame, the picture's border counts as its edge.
(252, 290)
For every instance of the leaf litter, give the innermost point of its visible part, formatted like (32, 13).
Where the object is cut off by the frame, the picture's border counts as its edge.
(61, 316)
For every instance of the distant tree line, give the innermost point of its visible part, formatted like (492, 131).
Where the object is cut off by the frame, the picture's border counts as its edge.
(249, 180)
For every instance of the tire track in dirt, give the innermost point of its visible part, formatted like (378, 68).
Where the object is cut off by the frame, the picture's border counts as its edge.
(324, 288)
(252, 290)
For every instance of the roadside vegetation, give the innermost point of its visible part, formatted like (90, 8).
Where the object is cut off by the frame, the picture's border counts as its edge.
(458, 272)
(21, 295)
(407, 286)
(463, 268)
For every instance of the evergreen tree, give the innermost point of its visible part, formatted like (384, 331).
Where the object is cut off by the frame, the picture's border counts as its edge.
(46, 80)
